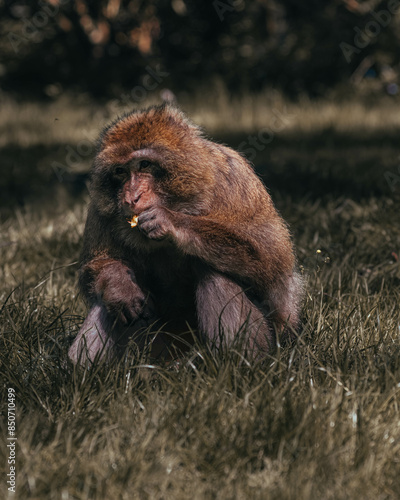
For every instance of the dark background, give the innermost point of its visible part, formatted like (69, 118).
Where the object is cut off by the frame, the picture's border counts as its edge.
(104, 47)
(93, 60)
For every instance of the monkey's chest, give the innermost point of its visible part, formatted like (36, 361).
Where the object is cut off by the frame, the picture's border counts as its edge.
(171, 280)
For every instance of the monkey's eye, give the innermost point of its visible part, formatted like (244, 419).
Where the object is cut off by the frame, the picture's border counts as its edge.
(119, 171)
(144, 164)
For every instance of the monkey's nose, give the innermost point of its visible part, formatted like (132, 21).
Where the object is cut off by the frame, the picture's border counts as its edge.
(130, 199)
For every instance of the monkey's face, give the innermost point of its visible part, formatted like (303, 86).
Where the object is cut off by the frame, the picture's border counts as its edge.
(127, 188)
(138, 186)
(152, 158)
(126, 183)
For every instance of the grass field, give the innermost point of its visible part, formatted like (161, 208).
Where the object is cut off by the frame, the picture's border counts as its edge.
(319, 420)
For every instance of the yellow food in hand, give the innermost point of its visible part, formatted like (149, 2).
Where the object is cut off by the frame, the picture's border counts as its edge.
(133, 222)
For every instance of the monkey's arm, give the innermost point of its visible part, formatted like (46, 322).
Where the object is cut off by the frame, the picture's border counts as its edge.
(104, 274)
(254, 254)
(258, 256)
(95, 256)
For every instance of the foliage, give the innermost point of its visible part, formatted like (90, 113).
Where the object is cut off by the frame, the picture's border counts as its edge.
(106, 46)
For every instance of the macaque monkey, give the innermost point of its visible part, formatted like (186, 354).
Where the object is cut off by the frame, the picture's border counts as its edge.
(181, 235)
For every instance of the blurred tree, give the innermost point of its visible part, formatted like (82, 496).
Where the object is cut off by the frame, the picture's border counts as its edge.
(106, 46)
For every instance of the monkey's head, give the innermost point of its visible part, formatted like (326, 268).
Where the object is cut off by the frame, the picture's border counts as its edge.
(152, 157)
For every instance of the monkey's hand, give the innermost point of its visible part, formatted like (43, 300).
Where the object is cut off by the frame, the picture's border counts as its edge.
(121, 295)
(156, 223)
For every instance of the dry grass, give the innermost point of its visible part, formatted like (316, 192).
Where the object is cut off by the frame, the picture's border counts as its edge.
(319, 420)
(69, 120)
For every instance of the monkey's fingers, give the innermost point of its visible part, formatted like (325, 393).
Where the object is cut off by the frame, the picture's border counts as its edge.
(154, 224)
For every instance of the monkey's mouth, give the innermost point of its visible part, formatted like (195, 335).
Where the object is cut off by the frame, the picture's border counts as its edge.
(127, 211)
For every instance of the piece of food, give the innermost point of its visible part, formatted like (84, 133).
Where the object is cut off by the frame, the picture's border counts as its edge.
(133, 222)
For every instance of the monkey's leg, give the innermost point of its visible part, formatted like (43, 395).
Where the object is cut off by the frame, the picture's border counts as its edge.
(285, 301)
(226, 316)
(94, 338)
(103, 338)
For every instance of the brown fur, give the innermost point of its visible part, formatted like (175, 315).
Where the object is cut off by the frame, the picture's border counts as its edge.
(210, 250)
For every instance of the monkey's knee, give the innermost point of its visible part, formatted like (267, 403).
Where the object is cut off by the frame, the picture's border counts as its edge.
(102, 337)
(228, 318)
(93, 340)
(285, 302)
